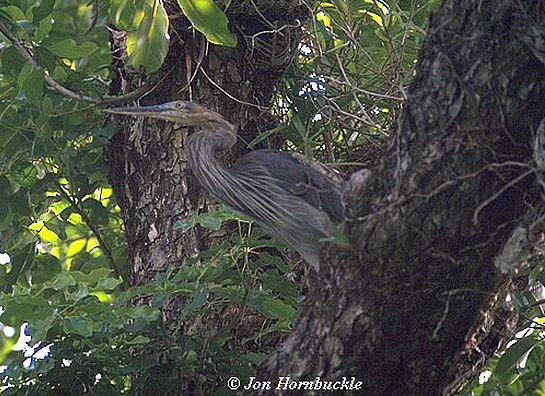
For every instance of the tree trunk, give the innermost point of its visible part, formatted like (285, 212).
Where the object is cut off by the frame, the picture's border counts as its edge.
(419, 303)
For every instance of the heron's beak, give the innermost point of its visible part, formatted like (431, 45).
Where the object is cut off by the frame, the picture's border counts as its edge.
(143, 111)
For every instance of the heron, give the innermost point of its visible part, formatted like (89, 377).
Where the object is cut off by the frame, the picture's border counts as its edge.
(293, 198)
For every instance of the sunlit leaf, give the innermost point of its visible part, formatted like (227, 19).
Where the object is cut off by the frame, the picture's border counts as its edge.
(382, 5)
(148, 45)
(324, 18)
(76, 247)
(123, 13)
(378, 19)
(210, 20)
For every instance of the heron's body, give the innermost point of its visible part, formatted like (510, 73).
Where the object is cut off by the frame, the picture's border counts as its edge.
(289, 198)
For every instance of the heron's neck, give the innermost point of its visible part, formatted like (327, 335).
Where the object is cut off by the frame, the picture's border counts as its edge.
(213, 137)
(202, 147)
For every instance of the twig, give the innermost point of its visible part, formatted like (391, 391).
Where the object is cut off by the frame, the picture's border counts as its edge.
(536, 304)
(497, 194)
(215, 84)
(363, 91)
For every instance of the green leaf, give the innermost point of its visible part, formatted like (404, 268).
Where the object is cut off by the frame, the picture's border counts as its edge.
(14, 12)
(68, 48)
(276, 309)
(12, 62)
(20, 308)
(44, 27)
(44, 9)
(24, 174)
(270, 260)
(93, 277)
(210, 20)
(220, 340)
(513, 355)
(138, 340)
(123, 13)
(62, 281)
(198, 300)
(40, 327)
(81, 184)
(298, 124)
(46, 266)
(108, 284)
(262, 136)
(148, 45)
(96, 211)
(209, 221)
(31, 82)
(20, 202)
(78, 325)
(253, 358)
(233, 294)
(272, 280)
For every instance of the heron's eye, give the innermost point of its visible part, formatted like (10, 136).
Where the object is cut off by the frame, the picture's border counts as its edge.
(179, 105)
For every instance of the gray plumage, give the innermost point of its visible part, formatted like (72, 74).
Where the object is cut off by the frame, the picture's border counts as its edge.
(290, 196)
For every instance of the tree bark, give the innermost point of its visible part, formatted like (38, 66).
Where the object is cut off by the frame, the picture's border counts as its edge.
(419, 303)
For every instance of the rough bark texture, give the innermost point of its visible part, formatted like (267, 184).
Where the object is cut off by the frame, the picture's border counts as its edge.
(418, 304)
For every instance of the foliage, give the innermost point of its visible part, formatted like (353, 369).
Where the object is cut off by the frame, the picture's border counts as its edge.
(210, 20)
(87, 313)
(59, 222)
(345, 91)
(61, 226)
(520, 368)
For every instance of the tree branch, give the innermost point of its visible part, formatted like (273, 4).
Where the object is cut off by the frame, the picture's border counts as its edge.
(27, 55)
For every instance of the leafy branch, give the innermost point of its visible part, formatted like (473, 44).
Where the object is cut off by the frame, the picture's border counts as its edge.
(79, 210)
(27, 55)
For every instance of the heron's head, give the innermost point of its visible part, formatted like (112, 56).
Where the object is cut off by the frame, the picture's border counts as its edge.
(182, 112)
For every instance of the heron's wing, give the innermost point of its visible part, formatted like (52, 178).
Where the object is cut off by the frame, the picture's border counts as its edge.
(299, 177)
